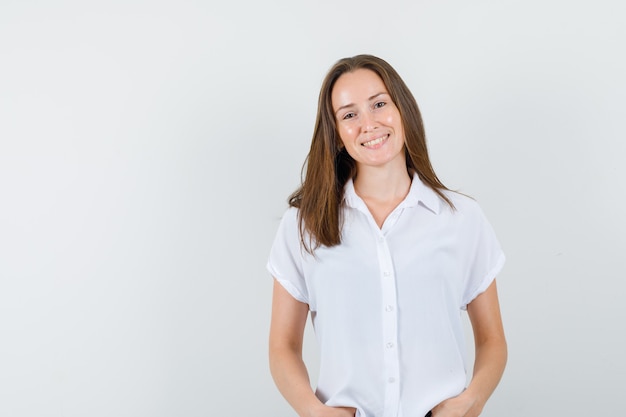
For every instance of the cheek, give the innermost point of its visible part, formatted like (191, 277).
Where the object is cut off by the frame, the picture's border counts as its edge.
(346, 132)
(391, 119)
(394, 120)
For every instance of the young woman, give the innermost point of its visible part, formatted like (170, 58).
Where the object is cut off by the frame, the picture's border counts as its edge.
(385, 258)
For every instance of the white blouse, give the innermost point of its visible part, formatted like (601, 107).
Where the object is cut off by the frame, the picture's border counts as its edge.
(386, 303)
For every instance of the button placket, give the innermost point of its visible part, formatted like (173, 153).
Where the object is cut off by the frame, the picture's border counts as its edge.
(390, 328)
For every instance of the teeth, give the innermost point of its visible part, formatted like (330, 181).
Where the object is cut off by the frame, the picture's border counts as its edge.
(375, 141)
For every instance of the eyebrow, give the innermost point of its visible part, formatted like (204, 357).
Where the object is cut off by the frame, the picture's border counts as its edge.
(352, 104)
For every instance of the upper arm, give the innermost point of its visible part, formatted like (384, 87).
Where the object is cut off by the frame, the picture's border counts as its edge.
(288, 319)
(484, 314)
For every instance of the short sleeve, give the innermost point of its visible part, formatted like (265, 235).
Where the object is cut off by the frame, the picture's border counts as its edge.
(486, 258)
(286, 257)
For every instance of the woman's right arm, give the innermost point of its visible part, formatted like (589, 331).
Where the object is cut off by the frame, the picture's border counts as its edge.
(288, 370)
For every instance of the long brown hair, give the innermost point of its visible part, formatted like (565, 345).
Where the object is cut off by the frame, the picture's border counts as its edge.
(328, 166)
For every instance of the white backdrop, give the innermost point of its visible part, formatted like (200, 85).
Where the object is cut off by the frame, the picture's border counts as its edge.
(147, 149)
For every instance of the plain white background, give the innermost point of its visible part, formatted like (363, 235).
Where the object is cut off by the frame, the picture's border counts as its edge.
(147, 149)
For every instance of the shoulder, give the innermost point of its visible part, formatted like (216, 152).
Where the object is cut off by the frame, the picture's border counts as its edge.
(287, 239)
(462, 203)
(466, 210)
(289, 220)
(291, 214)
(469, 217)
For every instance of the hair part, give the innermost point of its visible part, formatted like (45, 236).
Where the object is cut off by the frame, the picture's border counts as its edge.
(328, 166)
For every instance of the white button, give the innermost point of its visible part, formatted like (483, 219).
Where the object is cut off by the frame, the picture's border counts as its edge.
(389, 308)
(381, 239)
(386, 273)
(391, 380)
(389, 345)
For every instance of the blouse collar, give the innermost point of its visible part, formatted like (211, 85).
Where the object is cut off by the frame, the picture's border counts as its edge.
(418, 193)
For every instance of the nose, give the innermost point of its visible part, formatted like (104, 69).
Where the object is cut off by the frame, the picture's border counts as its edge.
(368, 121)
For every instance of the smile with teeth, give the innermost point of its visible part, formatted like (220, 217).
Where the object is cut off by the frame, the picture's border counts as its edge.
(376, 141)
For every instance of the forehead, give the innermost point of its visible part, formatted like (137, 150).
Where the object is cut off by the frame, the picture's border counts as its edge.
(355, 86)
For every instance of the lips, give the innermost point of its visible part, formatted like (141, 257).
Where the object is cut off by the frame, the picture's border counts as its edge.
(376, 141)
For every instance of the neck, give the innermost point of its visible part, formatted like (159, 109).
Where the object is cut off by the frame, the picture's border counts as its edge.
(382, 184)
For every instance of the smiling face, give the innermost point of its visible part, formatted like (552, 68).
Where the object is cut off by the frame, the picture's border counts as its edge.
(368, 121)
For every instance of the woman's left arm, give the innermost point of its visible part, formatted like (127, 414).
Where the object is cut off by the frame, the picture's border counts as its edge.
(491, 355)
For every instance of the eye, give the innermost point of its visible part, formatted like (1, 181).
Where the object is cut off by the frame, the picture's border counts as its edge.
(348, 116)
(379, 104)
